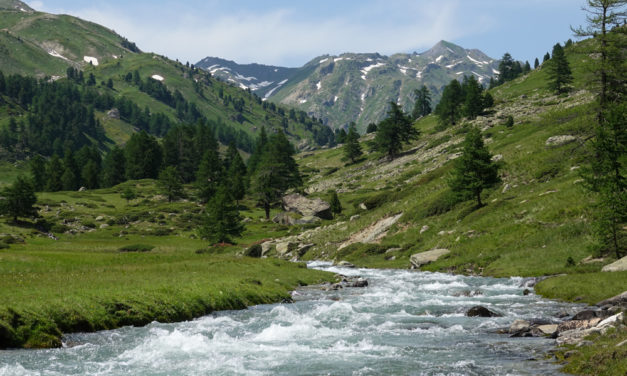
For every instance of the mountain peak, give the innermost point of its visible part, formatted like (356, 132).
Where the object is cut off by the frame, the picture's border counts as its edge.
(15, 5)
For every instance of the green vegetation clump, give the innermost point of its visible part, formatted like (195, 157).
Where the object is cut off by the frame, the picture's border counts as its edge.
(136, 248)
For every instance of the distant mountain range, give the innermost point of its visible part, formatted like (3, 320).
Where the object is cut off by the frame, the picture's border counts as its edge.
(356, 86)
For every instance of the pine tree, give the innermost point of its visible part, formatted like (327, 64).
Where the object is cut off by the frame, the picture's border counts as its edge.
(54, 170)
(393, 131)
(336, 205)
(275, 173)
(128, 194)
(340, 136)
(422, 105)
(559, 71)
(473, 93)
(527, 67)
(210, 175)
(236, 173)
(536, 63)
(37, 167)
(18, 200)
(546, 58)
(90, 174)
(352, 148)
(507, 69)
(605, 176)
(221, 221)
(474, 170)
(259, 149)
(170, 183)
(449, 108)
(143, 156)
(113, 171)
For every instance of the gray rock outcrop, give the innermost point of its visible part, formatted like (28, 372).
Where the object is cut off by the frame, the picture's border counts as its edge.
(618, 266)
(307, 208)
(419, 259)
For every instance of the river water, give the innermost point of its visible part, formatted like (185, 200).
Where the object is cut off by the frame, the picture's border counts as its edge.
(403, 323)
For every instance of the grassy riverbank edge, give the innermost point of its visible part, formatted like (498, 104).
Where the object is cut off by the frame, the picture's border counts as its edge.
(229, 283)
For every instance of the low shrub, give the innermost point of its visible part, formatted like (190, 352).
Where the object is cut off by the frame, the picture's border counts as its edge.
(136, 248)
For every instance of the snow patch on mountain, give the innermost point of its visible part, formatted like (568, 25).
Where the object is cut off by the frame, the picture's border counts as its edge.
(157, 77)
(91, 59)
(56, 54)
(367, 69)
(269, 93)
(439, 58)
(323, 60)
(319, 85)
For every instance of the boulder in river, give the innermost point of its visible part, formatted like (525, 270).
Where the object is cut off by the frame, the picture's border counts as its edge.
(481, 311)
(519, 326)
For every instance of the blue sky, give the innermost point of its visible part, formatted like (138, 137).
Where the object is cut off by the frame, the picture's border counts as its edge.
(290, 33)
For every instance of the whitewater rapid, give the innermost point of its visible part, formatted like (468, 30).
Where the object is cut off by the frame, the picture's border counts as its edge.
(403, 323)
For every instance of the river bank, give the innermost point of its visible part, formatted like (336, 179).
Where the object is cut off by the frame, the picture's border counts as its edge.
(403, 322)
(48, 293)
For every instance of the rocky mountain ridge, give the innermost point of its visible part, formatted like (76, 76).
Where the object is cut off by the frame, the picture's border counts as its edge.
(358, 86)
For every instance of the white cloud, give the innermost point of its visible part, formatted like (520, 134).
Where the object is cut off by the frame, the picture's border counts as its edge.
(285, 37)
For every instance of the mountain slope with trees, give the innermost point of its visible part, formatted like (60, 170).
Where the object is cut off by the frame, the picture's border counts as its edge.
(134, 90)
(357, 87)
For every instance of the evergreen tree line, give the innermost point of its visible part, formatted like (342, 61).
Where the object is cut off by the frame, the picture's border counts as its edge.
(462, 99)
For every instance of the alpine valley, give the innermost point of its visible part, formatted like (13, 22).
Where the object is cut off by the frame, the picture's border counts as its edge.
(159, 217)
(356, 87)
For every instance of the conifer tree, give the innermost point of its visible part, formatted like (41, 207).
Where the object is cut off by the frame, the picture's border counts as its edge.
(221, 220)
(210, 175)
(527, 67)
(54, 170)
(336, 205)
(275, 173)
(473, 93)
(18, 199)
(536, 63)
(606, 174)
(422, 105)
(559, 71)
(546, 58)
(449, 108)
(37, 167)
(260, 146)
(393, 131)
(143, 156)
(352, 148)
(506, 68)
(170, 183)
(236, 173)
(113, 171)
(340, 136)
(474, 170)
(128, 194)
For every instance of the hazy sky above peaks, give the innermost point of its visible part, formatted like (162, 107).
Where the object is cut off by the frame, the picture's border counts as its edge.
(292, 32)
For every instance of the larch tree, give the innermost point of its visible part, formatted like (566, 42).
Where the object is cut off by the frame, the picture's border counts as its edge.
(474, 170)
(559, 71)
(18, 199)
(352, 148)
(422, 105)
(605, 176)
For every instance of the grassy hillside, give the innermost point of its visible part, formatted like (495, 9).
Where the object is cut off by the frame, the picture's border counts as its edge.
(116, 263)
(45, 45)
(533, 224)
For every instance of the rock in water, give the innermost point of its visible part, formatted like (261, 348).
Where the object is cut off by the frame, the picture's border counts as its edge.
(419, 259)
(480, 311)
(300, 204)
